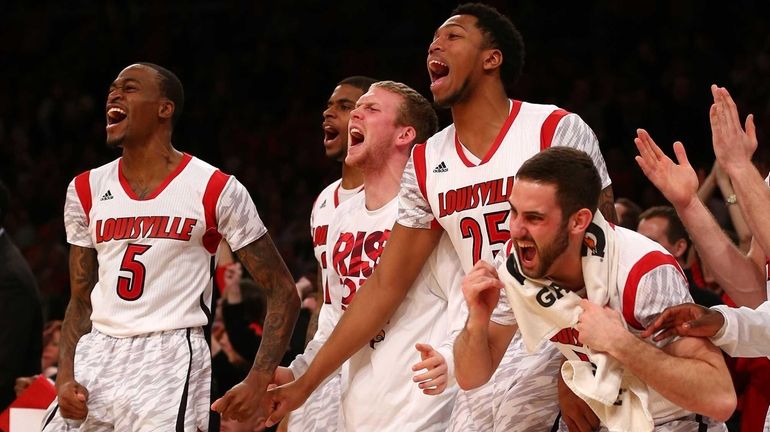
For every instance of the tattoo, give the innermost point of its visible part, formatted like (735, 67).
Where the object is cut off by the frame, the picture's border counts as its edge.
(607, 205)
(269, 271)
(83, 267)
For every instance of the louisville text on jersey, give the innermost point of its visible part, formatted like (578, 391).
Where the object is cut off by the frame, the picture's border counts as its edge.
(471, 197)
(167, 227)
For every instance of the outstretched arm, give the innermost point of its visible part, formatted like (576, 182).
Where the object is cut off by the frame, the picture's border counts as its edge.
(403, 258)
(83, 267)
(734, 146)
(269, 271)
(689, 372)
(738, 274)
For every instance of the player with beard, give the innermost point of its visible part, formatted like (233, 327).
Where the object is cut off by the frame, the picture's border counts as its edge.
(552, 220)
(144, 231)
(457, 183)
(320, 412)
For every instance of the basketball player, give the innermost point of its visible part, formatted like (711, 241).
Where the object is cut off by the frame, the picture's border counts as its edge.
(378, 388)
(457, 183)
(144, 231)
(552, 216)
(321, 411)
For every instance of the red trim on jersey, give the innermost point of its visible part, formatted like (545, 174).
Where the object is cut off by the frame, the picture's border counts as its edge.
(214, 188)
(549, 128)
(421, 172)
(83, 189)
(515, 108)
(186, 158)
(647, 263)
(337, 196)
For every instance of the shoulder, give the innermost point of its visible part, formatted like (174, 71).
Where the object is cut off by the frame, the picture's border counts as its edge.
(441, 141)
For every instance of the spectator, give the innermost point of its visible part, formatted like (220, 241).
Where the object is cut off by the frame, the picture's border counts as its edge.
(21, 316)
(662, 225)
(628, 213)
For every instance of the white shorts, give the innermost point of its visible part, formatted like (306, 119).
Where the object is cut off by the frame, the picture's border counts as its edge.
(154, 382)
(522, 395)
(321, 411)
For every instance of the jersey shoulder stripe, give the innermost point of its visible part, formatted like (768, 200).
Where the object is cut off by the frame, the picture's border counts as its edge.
(549, 128)
(214, 188)
(83, 189)
(647, 263)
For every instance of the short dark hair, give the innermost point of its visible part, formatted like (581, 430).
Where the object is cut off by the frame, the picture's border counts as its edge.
(500, 33)
(358, 81)
(5, 201)
(630, 218)
(171, 88)
(572, 171)
(415, 111)
(676, 230)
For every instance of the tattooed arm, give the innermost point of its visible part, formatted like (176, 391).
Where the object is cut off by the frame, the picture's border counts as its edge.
(77, 322)
(607, 205)
(269, 271)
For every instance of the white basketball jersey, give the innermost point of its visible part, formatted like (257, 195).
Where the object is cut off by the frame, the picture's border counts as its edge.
(378, 391)
(446, 186)
(649, 280)
(320, 217)
(157, 255)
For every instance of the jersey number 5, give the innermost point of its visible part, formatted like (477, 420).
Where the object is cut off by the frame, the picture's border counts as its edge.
(131, 288)
(470, 228)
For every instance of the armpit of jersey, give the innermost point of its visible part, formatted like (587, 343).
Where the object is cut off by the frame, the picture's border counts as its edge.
(238, 220)
(75, 220)
(413, 208)
(573, 132)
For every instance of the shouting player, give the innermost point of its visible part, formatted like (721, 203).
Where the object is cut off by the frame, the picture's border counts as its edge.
(144, 231)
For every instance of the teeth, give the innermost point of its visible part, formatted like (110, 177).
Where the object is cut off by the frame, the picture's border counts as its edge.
(116, 109)
(525, 244)
(438, 63)
(355, 131)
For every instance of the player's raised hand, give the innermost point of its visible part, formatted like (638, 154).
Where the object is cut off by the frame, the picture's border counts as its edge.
(481, 288)
(244, 399)
(434, 380)
(687, 319)
(284, 399)
(733, 146)
(73, 399)
(677, 182)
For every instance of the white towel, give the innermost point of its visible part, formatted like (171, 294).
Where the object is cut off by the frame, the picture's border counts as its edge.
(542, 309)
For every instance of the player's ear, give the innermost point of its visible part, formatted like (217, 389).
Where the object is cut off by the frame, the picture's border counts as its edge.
(493, 59)
(166, 109)
(406, 136)
(580, 220)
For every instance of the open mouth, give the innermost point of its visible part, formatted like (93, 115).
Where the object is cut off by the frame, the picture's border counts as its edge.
(356, 137)
(527, 252)
(330, 133)
(115, 115)
(437, 70)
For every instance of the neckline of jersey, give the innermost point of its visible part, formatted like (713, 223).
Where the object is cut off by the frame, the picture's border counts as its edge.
(515, 107)
(186, 158)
